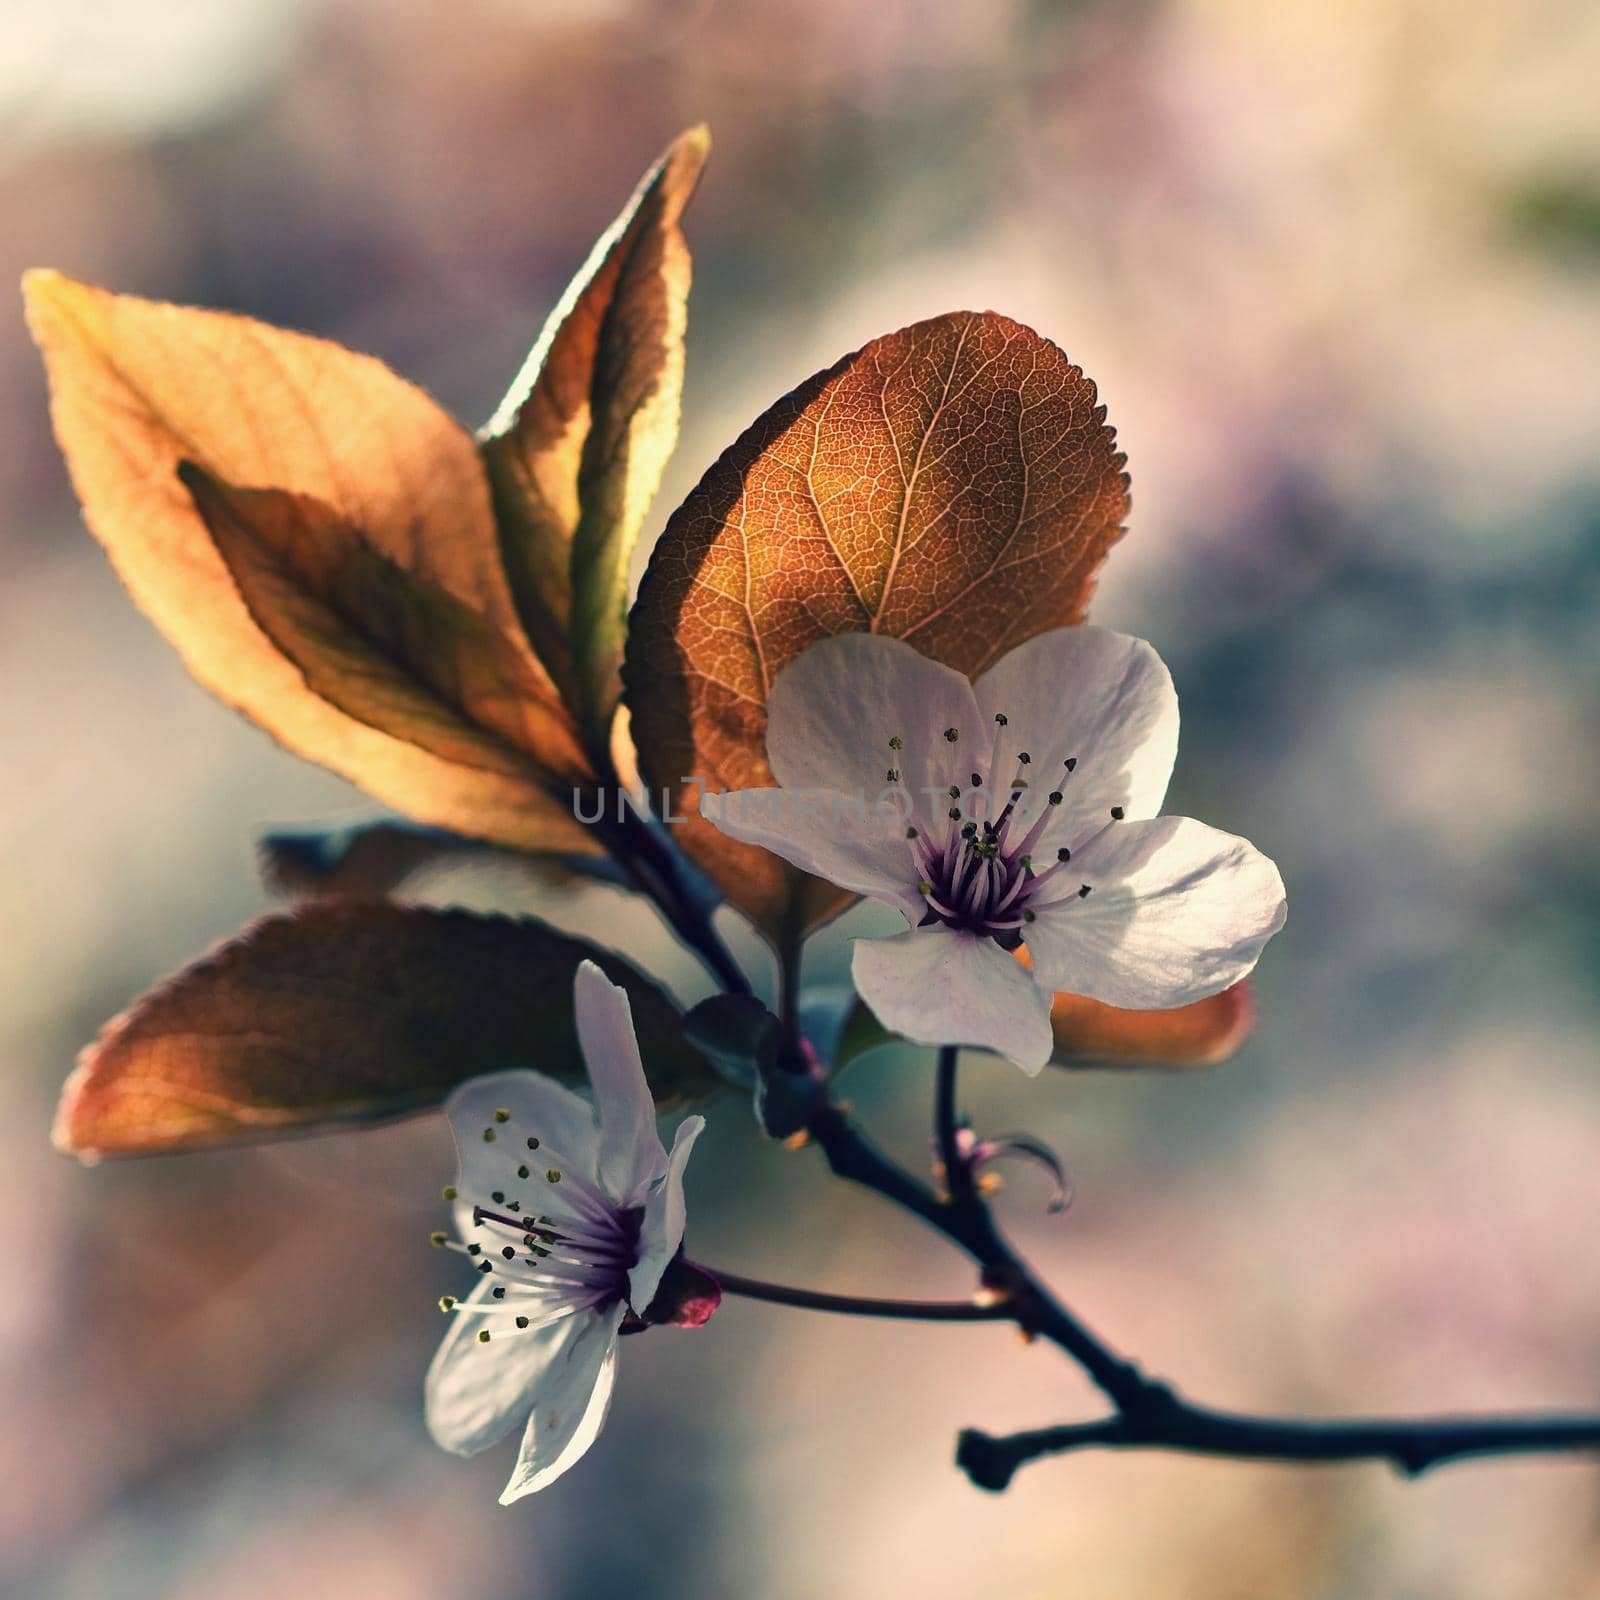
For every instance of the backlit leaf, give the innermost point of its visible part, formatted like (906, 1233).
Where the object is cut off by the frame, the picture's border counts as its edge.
(397, 652)
(1089, 1033)
(138, 386)
(348, 1012)
(954, 485)
(576, 450)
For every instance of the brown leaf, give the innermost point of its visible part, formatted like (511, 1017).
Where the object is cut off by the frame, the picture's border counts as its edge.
(348, 1012)
(138, 386)
(394, 651)
(1090, 1033)
(576, 450)
(953, 484)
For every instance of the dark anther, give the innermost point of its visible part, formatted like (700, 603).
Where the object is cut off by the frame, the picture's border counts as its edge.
(1117, 813)
(1000, 717)
(507, 1251)
(952, 734)
(955, 813)
(499, 1291)
(896, 743)
(522, 1322)
(533, 1144)
(1071, 763)
(1025, 759)
(474, 1249)
(498, 1196)
(955, 791)
(1083, 893)
(1063, 854)
(977, 781)
(486, 1266)
(1055, 797)
(911, 833)
(892, 775)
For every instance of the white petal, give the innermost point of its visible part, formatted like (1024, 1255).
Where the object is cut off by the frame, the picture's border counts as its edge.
(835, 707)
(1176, 911)
(539, 1107)
(476, 1392)
(631, 1153)
(941, 987)
(1104, 698)
(570, 1410)
(859, 847)
(661, 1227)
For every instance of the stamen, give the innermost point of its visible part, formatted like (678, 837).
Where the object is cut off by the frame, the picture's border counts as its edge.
(1117, 813)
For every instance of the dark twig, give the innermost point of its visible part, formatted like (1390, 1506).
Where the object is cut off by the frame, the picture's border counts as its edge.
(640, 846)
(946, 1128)
(1410, 1445)
(1149, 1414)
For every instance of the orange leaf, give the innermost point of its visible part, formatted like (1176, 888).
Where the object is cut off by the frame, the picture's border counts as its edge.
(1090, 1033)
(953, 484)
(138, 386)
(576, 450)
(394, 651)
(348, 1012)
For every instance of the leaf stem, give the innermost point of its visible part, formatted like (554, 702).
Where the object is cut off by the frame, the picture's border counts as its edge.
(983, 1310)
(641, 847)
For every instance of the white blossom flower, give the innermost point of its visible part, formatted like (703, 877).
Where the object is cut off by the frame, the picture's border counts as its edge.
(572, 1220)
(1018, 810)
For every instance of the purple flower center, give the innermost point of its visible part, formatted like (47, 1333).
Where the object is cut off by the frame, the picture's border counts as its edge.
(975, 865)
(552, 1241)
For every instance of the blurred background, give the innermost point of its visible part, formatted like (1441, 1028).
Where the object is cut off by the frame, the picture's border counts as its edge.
(1336, 268)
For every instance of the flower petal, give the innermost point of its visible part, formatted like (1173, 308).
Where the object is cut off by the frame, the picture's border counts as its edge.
(631, 1153)
(476, 1392)
(661, 1228)
(570, 1409)
(938, 986)
(826, 833)
(1176, 912)
(836, 706)
(538, 1108)
(1103, 698)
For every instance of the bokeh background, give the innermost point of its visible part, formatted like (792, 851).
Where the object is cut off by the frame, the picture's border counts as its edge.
(1336, 267)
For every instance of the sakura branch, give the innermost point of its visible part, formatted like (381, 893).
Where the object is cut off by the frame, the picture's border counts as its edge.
(1150, 1414)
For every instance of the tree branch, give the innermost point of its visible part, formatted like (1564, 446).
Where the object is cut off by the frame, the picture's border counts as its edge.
(1410, 1445)
(1149, 1414)
(967, 1221)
